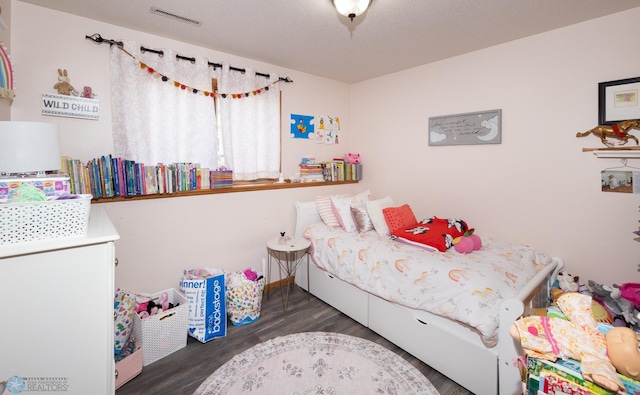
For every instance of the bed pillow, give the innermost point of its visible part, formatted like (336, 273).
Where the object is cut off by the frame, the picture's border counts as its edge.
(361, 218)
(323, 204)
(342, 209)
(399, 217)
(433, 232)
(374, 209)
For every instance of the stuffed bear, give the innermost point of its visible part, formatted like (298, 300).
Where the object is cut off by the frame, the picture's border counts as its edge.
(567, 282)
(352, 158)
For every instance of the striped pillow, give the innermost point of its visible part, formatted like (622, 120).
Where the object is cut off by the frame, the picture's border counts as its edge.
(323, 204)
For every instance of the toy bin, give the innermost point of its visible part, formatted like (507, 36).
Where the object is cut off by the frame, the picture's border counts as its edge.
(163, 333)
(38, 221)
(129, 367)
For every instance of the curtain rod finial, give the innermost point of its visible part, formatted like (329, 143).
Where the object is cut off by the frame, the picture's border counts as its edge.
(96, 38)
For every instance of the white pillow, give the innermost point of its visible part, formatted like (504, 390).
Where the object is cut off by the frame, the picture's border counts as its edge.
(374, 208)
(342, 208)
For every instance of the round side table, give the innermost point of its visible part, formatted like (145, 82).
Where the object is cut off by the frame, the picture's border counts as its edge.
(288, 256)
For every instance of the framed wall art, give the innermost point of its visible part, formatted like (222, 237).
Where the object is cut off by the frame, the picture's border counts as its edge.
(618, 101)
(484, 127)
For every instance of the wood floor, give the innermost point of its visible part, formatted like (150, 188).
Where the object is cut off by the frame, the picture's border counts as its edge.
(183, 371)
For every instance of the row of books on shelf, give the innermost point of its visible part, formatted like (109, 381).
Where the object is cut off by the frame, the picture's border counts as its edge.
(109, 176)
(335, 170)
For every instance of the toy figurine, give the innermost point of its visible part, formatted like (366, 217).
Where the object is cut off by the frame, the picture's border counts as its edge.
(283, 239)
(619, 131)
(600, 355)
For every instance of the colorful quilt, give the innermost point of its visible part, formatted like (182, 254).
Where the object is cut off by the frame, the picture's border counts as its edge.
(467, 288)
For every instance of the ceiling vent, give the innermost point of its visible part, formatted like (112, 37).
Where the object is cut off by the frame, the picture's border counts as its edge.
(158, 11)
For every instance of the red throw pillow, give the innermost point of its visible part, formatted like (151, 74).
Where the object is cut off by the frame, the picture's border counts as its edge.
(399, 217)
(435, 232)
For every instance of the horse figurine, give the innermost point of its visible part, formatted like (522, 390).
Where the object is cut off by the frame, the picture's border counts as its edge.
(617, 131)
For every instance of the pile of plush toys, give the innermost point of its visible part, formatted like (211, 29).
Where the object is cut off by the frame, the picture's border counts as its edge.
(620, 301)
(605, 344)
(146, 307)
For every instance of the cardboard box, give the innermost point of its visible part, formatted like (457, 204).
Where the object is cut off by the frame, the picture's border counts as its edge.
(51, 186)
(221, 178)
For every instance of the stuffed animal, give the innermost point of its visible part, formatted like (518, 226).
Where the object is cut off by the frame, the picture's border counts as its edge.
(63, 86)
(567, 282)
(87, 92)
(468, 242)
(352, 158)
(617, 305)
(601, 355)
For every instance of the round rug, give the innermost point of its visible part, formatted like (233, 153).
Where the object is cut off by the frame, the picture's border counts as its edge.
(317, 363)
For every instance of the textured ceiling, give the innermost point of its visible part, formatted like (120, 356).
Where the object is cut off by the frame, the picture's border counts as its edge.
(309, 35)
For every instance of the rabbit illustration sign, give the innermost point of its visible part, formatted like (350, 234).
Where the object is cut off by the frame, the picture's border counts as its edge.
(69, 102)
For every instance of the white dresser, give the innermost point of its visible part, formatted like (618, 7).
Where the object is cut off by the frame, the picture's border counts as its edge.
(56, 312)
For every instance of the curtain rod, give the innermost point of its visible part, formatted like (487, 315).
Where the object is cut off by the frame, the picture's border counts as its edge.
(97, 38)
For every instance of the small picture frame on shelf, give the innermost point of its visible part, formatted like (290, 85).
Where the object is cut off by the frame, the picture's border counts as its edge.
(618, 101)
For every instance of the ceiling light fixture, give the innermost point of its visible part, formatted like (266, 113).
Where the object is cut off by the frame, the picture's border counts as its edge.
(351, 8)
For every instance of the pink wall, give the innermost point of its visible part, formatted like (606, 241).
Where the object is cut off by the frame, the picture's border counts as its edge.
(537, 187)
(162, 237)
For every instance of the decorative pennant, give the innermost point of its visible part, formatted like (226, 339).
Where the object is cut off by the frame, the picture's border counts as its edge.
(184, 87)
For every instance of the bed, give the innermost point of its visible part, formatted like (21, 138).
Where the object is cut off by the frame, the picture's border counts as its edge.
(477, 354)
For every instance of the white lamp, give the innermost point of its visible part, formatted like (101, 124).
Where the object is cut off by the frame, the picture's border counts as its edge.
(29, 147)
(351, 8)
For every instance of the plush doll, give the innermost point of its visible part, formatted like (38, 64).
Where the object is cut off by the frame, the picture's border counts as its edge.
(352, 158)
(567, 282)
(468, 242)
(601, 355)
(615, 303)
(87, 92)
(63, 87)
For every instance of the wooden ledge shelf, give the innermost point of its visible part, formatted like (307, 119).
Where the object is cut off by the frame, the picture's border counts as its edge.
(617, 154)
(614, 152)
(240, 187)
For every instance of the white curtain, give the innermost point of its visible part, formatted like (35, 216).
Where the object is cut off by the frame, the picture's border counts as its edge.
(155, 121)
(250, 125)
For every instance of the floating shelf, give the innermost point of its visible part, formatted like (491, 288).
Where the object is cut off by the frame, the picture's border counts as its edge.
(617, 153)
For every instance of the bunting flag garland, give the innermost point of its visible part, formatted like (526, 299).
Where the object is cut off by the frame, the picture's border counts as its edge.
(151, 71)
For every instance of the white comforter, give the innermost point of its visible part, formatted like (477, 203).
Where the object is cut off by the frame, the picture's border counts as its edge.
(467, 288)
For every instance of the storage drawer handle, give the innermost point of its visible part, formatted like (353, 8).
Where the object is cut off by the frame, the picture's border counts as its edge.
(420, 321)
(116, 374)
(329, 275)
(166, 316)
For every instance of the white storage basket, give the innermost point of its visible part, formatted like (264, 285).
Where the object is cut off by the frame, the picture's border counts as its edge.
(165, 332)
(37, 221)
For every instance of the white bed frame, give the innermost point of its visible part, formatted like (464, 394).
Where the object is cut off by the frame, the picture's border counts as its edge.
(452, 349)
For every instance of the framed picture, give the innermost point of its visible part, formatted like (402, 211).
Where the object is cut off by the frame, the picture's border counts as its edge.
(618, 101)
(470, 128)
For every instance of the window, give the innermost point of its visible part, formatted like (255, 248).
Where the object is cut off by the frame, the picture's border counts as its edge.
(163, 112)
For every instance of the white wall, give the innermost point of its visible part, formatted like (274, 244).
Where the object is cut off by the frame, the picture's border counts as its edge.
(537, 187)
(162, 237)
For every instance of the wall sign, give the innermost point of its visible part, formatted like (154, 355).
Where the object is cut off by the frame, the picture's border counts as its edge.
(464, 129)
(70, 106)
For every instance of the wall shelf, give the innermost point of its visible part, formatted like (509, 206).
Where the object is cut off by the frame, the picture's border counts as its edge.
(632, 154)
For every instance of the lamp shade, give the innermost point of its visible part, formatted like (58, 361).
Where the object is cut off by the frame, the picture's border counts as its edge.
(351, 8)
(29, 147)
